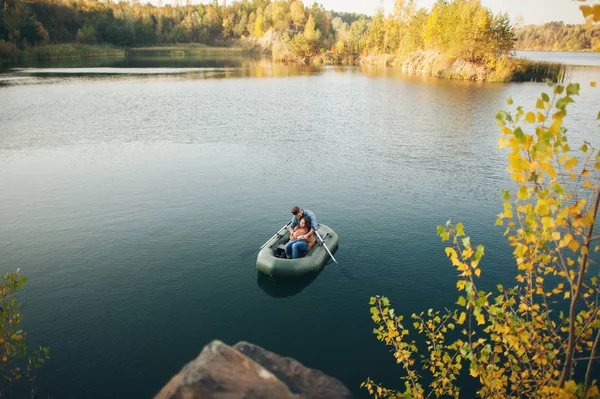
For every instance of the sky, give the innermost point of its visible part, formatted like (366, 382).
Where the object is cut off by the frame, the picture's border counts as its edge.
(532, 11)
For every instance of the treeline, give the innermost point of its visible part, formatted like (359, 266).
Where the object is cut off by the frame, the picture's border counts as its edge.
(459, 28)
(135, 24)
(556, 36)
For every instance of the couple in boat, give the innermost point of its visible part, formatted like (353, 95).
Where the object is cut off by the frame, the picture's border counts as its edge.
(302, 233)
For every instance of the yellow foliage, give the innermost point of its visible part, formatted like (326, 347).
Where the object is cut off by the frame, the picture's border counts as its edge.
(521, 345)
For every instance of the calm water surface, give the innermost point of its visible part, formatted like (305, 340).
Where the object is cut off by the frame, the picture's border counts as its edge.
(128, 199)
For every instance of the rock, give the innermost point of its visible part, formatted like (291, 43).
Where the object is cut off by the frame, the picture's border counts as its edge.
(247, 371)
(308, 383)
(437, 64)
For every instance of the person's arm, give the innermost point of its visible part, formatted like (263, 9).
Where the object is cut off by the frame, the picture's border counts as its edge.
(294, 232)
(294, 223)
(313, 224)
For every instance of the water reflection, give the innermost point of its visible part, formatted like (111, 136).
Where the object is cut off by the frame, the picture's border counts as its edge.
(285, 288)
(195, 66)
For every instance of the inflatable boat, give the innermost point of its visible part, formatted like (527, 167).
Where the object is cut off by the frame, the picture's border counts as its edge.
(271, 259)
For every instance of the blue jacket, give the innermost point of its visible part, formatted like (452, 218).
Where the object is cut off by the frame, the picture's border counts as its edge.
(311, 216)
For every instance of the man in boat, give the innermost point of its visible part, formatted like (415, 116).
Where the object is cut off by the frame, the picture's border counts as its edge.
(298, 214)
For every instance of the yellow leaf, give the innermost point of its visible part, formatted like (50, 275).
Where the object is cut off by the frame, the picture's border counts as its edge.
(523, 194)
(451, 253)
(498, 349)
(565, 241)
(574, 245)
(593, 392)
(540, 117)
(461, 318)
(586, 11)
(503, 142)
(548, 222)
(540, 104)
(567, 294)
(593, 84)
(477, 272)
(530, 117)
(480, 319)
(571, 163)
(571, 386)
(555, 235)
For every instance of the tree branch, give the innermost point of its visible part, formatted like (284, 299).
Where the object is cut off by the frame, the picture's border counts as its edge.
(574, 299)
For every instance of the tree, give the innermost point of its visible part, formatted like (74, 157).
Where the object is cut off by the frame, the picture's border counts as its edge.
(15, 363)
(311, 34)
(525, 341)
(516, 341)
(86, 35)
(297, 14)
(20, 25)
(259, 25)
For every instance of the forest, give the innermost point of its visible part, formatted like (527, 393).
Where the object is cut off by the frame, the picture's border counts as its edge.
(460, 28)
(557, 36)
(452, 32)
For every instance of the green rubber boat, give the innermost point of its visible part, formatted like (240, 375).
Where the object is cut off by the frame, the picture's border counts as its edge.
(271, 260)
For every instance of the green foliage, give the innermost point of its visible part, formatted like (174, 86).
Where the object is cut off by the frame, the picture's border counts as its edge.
(86, 35)
(19, 25)
(15, 363)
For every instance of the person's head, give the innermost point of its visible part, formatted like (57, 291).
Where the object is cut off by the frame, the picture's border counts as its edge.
(298, 212)
(305, 222)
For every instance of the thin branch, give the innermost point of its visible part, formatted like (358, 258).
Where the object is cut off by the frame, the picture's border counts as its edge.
(588, 373)
(571, 345)
(594, 238)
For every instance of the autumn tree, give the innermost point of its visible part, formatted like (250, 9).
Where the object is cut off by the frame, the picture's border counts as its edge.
(16, 362)
(527, 340)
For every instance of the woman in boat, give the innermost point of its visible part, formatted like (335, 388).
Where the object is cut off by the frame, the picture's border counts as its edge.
(300, 241)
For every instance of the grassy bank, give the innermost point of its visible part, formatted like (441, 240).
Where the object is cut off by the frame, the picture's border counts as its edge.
(435, 63)
(61, 51)
(537, 71)
(183, 50)
(9, 53)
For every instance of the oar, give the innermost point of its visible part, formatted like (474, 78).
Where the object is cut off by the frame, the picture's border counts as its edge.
(251, 251)
(323, 242)
(275, 235)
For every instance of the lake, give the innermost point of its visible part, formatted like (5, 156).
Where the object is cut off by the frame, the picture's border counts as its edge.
(130, 188)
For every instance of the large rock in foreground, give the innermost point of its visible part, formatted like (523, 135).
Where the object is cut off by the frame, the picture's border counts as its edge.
(246, 371)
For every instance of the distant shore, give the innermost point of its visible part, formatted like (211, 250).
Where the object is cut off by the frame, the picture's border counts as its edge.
(432, 63)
